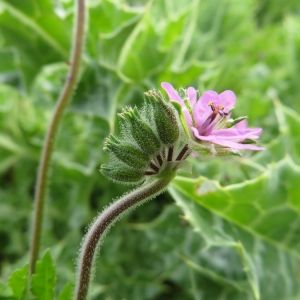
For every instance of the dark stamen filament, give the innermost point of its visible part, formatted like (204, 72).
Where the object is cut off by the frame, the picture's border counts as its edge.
(170, 153)
(149, 173)
(153, 167)
(182, 152)
(159, 159)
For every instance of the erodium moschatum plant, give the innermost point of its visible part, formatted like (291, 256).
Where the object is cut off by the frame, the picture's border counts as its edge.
(153, 145)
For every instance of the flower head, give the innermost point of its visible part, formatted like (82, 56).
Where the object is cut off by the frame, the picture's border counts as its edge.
(208, 119)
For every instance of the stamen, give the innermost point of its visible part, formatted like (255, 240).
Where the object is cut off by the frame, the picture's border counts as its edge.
(182, 152)
(213, 107)
(222, 113)
(170, 153)
(154, 167)
(149, 173)
(159, 159)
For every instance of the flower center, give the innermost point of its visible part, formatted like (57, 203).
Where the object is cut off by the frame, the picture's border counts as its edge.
(212, 120)
(218, 109)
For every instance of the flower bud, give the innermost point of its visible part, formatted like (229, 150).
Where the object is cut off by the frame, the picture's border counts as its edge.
(126, 152)
(122, 174)
(140, 131)
(164, 118)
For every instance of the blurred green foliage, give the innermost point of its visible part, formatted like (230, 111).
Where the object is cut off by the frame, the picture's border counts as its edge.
(233, 234)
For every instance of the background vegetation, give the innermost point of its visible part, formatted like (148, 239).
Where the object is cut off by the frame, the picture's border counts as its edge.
(231, 234)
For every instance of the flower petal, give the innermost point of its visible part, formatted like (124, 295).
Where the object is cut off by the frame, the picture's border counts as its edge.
(192, 95)
(227, 99)
(173, 95)
(231, 140)
(238, 146)
(201, 109)
(237, 135)
(241, 125)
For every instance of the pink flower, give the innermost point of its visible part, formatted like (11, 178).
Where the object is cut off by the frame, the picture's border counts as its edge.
(208, 118)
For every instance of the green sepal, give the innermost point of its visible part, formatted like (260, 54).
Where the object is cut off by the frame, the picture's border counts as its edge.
(214, 150)
(231, 122)
(178, 107)
(200, 148)
(249, 141)
(140, 131)
(220, 151)
(127, 153)
(122, 174)
(164, 118)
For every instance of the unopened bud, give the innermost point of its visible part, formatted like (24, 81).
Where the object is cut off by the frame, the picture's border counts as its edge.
(122, 174)
(164, 118)
(127, 153)
(141, 132)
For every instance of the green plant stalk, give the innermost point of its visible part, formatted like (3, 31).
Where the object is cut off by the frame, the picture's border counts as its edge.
(44, 166)
(103, 223)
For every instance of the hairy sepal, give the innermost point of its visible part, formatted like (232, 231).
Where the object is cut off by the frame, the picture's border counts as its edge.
(122, 174)
(164, 118)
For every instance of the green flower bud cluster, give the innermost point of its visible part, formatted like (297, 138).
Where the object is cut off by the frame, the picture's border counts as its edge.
(164, 117)
(146, 141)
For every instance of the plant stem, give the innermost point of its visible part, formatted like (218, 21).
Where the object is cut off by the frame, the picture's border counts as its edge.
(104, 221)
(43, 171)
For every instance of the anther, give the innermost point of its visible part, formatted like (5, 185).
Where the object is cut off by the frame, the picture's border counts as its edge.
(213, 107)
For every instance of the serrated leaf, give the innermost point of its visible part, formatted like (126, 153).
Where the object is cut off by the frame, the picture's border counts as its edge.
(288, 140)
(67, 292)
(18, 282)
(5, 292)
(267, 208)
(33, 27)
(43, 281)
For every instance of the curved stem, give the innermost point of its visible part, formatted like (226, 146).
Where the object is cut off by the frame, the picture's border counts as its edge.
(100, 227)
(43, 171)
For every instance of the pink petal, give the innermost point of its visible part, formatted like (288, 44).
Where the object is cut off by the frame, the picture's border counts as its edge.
(227, 99)
(238, 146)
(201, 109)
(192, 95)
(241, 125)
(173, 95)
(209, 138)
(237, 135)
(227, 141)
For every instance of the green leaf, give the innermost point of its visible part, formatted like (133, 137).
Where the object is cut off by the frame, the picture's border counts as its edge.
(43, 281)
(5, 292)
(266, 209)
(33, 27)
(18, 282)
(67, 292)
(288, 140)
(113, 30)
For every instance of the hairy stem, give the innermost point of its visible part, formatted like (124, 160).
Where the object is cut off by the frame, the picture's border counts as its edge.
(103, 223)
(43, 171)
